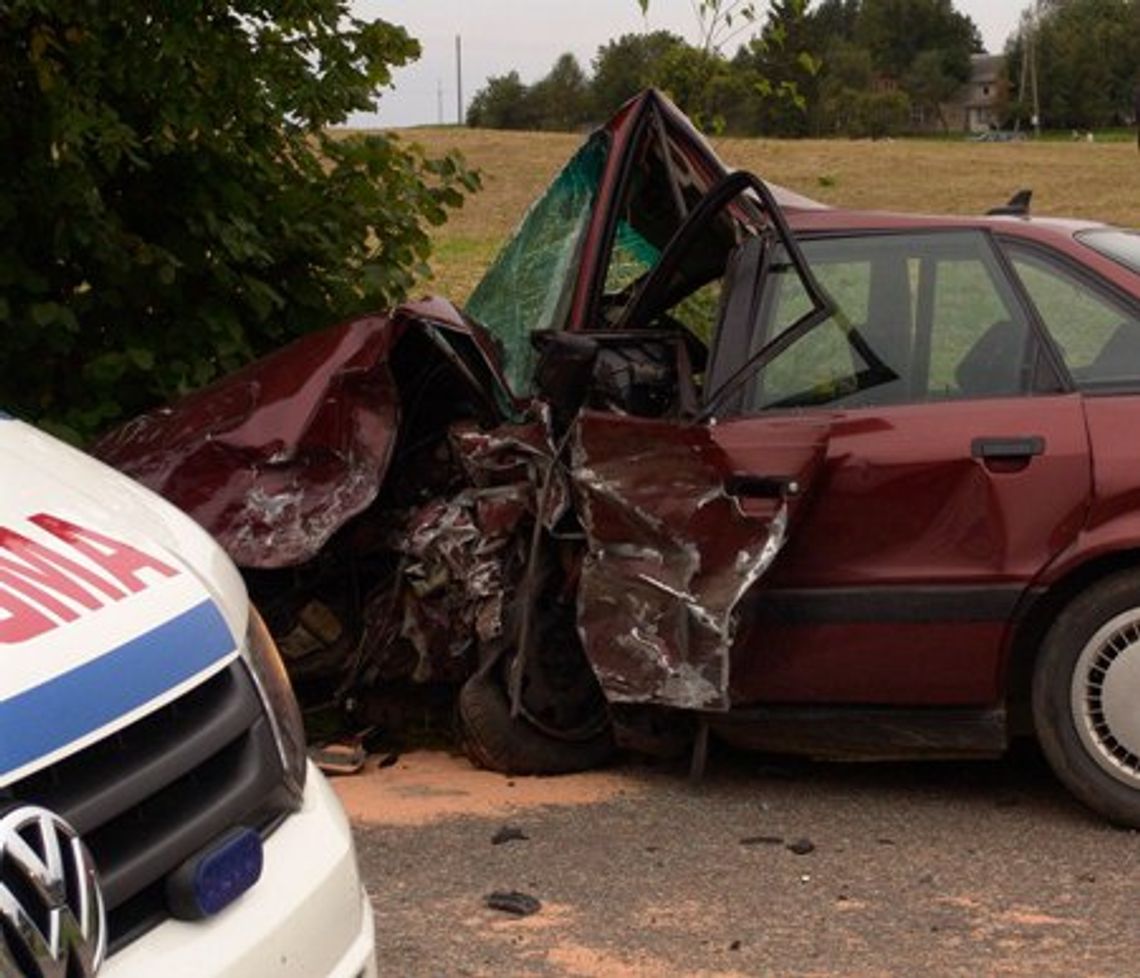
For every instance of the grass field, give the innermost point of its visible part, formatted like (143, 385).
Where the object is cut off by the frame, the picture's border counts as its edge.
(1100, 181)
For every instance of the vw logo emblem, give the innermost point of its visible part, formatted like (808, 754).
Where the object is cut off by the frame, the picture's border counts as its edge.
(54, 925)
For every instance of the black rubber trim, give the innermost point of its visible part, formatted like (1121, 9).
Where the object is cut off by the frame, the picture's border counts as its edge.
(97, 785)
(229, 790)
(909, 605)
(866, 732)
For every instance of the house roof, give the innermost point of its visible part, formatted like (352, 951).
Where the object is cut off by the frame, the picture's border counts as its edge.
(986, 67)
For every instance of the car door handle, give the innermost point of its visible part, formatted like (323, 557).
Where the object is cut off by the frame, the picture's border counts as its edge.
(750, 486)
(1023, 447)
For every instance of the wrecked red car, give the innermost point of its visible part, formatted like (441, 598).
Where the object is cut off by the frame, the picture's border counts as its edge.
(704, 456)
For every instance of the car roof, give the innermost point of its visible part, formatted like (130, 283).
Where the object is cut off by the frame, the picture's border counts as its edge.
(807, 220)
(808, 215)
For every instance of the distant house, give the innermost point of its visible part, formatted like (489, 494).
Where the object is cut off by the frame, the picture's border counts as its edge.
(978, 104)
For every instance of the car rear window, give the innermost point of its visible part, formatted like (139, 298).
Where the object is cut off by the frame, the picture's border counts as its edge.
(1115, 243)
(1097, 334)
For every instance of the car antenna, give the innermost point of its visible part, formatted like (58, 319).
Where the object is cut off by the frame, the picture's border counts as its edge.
(1018, 206)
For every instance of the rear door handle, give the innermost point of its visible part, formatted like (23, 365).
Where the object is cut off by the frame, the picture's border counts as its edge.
(1020, 447)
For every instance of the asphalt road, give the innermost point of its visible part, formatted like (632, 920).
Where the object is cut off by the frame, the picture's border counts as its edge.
(940, 869)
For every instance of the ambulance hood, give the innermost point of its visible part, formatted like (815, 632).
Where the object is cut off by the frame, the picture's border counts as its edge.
(112, 602)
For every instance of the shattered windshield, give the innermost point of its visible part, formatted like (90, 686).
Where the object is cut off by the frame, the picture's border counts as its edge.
(529, 287)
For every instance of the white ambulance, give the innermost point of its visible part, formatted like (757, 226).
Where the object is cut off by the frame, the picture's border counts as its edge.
(158, 818)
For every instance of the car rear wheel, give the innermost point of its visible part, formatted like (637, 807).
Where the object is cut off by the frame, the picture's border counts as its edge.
(1086, 697)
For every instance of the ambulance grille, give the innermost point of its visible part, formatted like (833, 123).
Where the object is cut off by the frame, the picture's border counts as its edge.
(148, 797)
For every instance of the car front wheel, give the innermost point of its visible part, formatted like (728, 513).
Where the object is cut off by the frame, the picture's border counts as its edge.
(1086, 697)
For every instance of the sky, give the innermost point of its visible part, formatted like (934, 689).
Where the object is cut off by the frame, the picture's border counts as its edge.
(528, 36)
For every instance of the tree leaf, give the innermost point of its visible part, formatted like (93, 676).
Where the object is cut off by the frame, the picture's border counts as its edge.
(174, 191)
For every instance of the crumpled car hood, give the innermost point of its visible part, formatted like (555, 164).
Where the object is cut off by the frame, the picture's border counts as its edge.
(278, 456)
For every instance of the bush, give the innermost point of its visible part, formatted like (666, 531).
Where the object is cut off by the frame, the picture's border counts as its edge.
(174, 204)
(867, 114)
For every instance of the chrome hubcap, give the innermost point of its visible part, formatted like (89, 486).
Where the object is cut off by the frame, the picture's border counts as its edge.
(1105, 697)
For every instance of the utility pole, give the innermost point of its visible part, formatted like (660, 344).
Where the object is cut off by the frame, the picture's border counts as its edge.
(459, 79)
(1029, 68)
(439, 101)
(1136, 111)
(1024, 73)
(1033, 75)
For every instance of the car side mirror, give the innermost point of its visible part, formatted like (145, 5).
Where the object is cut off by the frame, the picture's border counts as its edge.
(564, 372)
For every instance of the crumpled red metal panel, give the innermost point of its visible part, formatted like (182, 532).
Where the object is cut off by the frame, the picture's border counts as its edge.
(463, 554)
(275, 458)
(670, 555)
(456, 573)
(516, 453)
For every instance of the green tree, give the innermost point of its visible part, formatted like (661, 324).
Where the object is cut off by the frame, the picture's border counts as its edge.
(882, 114)
(561, 100)
(848, 66)
(786, 70)
(897, 31)
(174, 203)
(1087, 56)
(503, 103)
(848, 73)
(931, 81)
(863, 114)
(625, 66)
(831, 21)
(719, 22)
(697, 81)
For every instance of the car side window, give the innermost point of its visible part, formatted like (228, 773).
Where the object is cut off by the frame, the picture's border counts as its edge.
(823, 360)
(922, 317)
(1097, 335)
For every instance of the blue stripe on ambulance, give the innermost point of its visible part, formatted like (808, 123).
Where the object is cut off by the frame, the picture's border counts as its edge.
(45, 718)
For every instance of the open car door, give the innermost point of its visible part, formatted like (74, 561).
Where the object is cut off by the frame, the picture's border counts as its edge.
(642, 268)
(682, 515)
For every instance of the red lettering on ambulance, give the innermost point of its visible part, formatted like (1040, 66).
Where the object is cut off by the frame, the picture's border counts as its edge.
(20, 621)
(120, 560)
(44, 576)
(40, 587)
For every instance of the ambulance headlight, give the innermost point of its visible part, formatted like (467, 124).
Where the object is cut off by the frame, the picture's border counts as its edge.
(260, 653)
